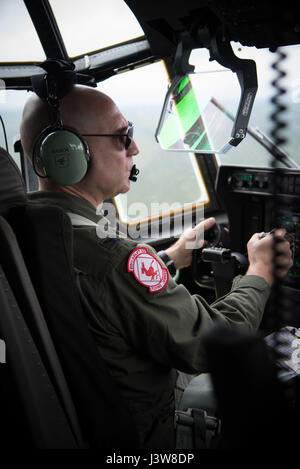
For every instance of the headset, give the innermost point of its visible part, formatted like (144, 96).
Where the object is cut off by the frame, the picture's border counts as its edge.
(60, 152)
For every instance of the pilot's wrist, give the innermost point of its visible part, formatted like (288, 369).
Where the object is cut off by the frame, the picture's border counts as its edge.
(261, 271)
(168, 261)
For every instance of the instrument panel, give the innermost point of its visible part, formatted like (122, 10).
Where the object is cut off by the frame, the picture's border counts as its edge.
(256, 199)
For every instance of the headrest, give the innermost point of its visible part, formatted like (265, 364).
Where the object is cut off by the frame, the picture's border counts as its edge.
(12, 187)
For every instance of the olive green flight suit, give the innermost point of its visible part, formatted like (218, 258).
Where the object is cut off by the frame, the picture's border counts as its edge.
(144, 336)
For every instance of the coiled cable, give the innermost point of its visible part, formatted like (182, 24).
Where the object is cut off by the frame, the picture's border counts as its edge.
(282, 305)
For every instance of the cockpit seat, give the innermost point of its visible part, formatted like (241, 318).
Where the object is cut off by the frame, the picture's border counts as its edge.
(42, 236)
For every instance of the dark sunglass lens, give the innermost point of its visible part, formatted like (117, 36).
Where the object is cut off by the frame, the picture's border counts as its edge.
(129, 135)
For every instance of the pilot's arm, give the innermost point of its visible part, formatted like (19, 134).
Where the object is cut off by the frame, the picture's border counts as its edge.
(166, 323)
(163, 320)
(141, 307)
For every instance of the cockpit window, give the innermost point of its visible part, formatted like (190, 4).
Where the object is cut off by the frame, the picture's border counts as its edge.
(94, 24)
(18, 38)
(168, 181)
(250, 152)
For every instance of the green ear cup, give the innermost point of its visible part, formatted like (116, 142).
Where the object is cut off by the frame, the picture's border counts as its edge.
(64, 157)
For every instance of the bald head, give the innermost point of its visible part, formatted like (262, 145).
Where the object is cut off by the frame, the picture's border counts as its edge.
(80, 109)
(88, 111)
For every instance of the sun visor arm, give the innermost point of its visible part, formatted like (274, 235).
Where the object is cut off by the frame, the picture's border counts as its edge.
(189, 121)
(245, 70)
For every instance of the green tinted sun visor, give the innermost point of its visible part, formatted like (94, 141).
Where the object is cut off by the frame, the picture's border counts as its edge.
(190, 120)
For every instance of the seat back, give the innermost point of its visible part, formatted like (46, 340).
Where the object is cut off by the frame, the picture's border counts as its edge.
(31, 411)
(44, 235)
(46, 242)
(29, 311)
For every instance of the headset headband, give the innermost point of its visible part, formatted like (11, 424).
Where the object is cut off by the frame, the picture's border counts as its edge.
(60, 151)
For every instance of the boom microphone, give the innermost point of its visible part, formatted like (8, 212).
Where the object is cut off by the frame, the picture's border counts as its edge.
(133, 174)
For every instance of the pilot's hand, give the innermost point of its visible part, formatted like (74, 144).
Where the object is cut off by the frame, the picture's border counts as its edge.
(192, 238)
(261, 256)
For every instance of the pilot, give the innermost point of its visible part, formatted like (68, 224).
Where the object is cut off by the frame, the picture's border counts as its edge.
(146, 326)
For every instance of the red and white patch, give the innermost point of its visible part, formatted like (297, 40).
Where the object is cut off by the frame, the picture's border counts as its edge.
(147, 269)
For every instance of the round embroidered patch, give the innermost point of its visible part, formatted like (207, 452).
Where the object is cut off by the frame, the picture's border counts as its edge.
(147, 269)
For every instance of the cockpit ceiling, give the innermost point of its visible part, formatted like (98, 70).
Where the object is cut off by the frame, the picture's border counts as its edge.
(259, 23)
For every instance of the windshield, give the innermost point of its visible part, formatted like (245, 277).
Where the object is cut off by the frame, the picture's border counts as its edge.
(18, 38)
(98, 24)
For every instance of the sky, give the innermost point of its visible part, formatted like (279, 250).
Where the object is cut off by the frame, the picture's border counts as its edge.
(85, 26)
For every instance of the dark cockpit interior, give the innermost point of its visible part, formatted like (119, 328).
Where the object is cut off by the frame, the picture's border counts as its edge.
(49, 393)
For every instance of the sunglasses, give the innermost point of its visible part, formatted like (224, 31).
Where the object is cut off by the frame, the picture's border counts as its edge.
(128, 135)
